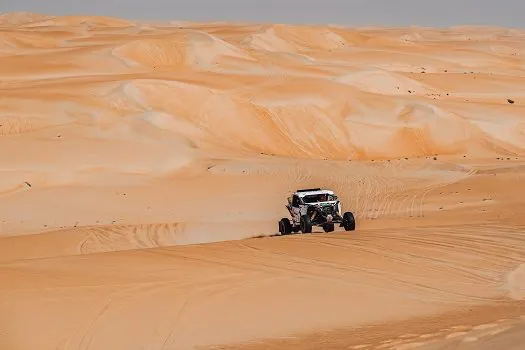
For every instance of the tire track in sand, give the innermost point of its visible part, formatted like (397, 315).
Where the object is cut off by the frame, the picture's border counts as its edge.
(120, 237)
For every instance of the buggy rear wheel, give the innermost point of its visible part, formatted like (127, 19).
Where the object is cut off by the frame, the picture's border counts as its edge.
(285, 227)
(306, 224)
(348, 221)
(328, 227)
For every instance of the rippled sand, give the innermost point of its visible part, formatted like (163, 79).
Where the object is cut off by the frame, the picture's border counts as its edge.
(144, 168)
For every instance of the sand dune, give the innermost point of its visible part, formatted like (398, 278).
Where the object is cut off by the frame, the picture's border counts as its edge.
(144, 167)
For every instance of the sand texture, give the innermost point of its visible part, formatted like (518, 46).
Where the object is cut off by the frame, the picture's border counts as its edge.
(144, 168)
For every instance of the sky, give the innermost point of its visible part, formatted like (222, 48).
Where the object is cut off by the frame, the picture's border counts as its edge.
(430, 13)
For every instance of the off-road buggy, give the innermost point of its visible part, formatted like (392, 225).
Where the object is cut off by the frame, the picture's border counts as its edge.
(315, 207)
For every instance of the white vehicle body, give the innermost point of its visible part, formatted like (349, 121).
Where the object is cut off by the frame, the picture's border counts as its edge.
(301, 203)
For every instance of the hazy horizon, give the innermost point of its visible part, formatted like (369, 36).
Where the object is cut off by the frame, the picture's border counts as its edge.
(504, 13)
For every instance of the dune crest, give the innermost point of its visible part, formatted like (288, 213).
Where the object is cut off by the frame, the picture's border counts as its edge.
(186, 50)
(21, 18)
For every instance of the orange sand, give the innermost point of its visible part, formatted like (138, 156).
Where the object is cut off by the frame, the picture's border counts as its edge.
(139, 161)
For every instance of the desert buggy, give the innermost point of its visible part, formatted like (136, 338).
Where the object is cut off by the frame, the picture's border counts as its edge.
(315, 207)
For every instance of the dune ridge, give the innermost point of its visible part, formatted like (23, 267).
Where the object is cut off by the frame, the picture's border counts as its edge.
(145, 165)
